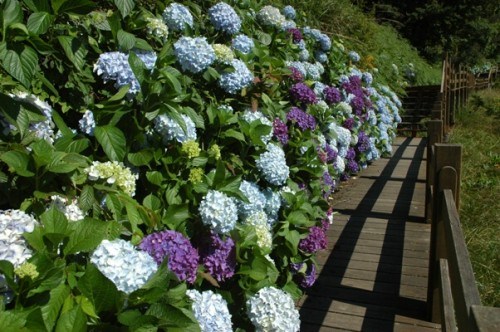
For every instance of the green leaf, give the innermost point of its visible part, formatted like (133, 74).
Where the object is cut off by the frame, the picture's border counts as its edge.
(12, 13)
(87, 198)
(193, 115)
(20, 62)
(73, 320)
(180, 318)
(112, 141)
(126, 40)
(38, 5)
(152, 202)
(12, 321)
(124, 6)
(99, 290)
(172, 80)
(39, 23)
(51, 310)
(234, 134)
(140, 158)
(293, 237)
(176, 214)
(86, 236)
(138, 67)
(265, 38)
(54, 221)
(79, 7)
(154, 177)
(18, 162)
(75, 50)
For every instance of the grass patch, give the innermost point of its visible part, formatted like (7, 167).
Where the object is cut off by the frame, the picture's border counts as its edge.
(478, 130)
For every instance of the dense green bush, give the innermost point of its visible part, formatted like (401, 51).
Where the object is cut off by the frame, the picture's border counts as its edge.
(156, 165)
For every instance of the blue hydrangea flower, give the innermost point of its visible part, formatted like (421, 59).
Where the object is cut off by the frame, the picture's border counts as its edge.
(194, 54)
(318, 89)
(299, 66)
(169, 129)
(13, 224)
(127, 268)
(320, 56)
(257, 200)
(288, 24)
(241, 78)
(243, 43)
(42, 129)
(325, 43)
(224, 18)
(367, 78)
(289, 12)
(177, 16)
(314, 70)
(304, 55)
(272, 165)
(354, 56)
(272, 309)
(87, 123)
(273, 205)
(218, 211)
(210, 310)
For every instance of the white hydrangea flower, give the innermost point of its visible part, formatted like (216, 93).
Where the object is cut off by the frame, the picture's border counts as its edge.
(170, 129)
(260, 223)
(272, 309)
(210, 310)
(71, 211)
(271, 16)
(157, 27)
(13, 247)
(113, 172)
(218, 211)
(128, 268)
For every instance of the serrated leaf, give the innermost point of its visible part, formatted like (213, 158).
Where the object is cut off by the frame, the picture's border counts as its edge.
(74, 49)
(80, 7)
(124, 6)
(86, 235)
(234, 134)
(112, 141)
(18, 162)
(38, 5)
(172, 81)
(54, 221)
(51, 310)
(176, 214)
(38, 23)
(140, 158)
(20, 62)
(126, 40)
(193, 115)
(152, 202)
(101, 291)
(12, 321)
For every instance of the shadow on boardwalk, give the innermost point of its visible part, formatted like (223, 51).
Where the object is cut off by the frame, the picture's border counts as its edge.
(374, 277)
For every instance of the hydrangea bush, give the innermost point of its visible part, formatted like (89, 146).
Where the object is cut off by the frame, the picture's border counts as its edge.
(161, 160)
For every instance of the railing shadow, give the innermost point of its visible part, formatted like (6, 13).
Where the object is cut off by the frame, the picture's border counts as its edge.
(381, 305)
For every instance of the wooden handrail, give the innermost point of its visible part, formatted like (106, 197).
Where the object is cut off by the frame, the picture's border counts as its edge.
(453, 298)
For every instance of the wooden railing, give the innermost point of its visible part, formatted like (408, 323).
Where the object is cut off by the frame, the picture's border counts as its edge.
(453, 298)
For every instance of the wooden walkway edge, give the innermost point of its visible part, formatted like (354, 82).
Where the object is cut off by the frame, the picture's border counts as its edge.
(374, 275)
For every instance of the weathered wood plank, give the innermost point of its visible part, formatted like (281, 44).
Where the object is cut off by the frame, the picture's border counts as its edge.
(485, 319)
(447, 311)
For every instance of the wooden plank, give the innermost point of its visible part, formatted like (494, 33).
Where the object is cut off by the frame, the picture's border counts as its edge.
(485, 319)
(446, 298)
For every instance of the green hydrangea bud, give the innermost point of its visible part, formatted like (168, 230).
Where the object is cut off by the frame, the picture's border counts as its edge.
(191, 149)
(26, 270)
(196, 175)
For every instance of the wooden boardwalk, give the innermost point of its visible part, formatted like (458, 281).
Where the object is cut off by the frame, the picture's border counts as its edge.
(374, 275)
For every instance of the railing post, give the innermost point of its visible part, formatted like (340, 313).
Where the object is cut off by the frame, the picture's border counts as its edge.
(434, 135)
(446, 162)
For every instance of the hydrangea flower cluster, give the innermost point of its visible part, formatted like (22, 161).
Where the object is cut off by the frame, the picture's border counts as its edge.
(332, 95)
(177, 17)
(272, 165)
(243, 43)
(114, 173)
(219, 257)
(235, 81)
(270, 16)
(273, 205)
(194, 54)
(320, 38)
(354, 56)
(13, 247)
(210, 310)
(182, 256)
(87, 123)
(128, 268)
(301, 118)
(302, 94)
(280, 131)
(289, 12)
(296, 35)
(223, 53)
(224, 18)
(169, 129)
(272, 309)
(71, 211)
(261, 226)
(114, 66)
(191, 149)
(315, 240)
(305, 273)
(218, 211)
(157, 27)
(257, 200)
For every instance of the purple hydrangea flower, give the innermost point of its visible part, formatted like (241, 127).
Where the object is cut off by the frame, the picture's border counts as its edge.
(332, 95)
(363, 144)
(280, 131)
(349, 123)
(296, 35)
(331, 153)
(316, 240)
(296, 75)
(351, 154)
(329, 184)
(302, 94)
(304, 120)
(357, 104)
(306, 276)
(182, 256)
(219, 257)
(352, 166)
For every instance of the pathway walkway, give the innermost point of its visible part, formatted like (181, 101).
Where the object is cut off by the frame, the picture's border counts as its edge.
(374, 275)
